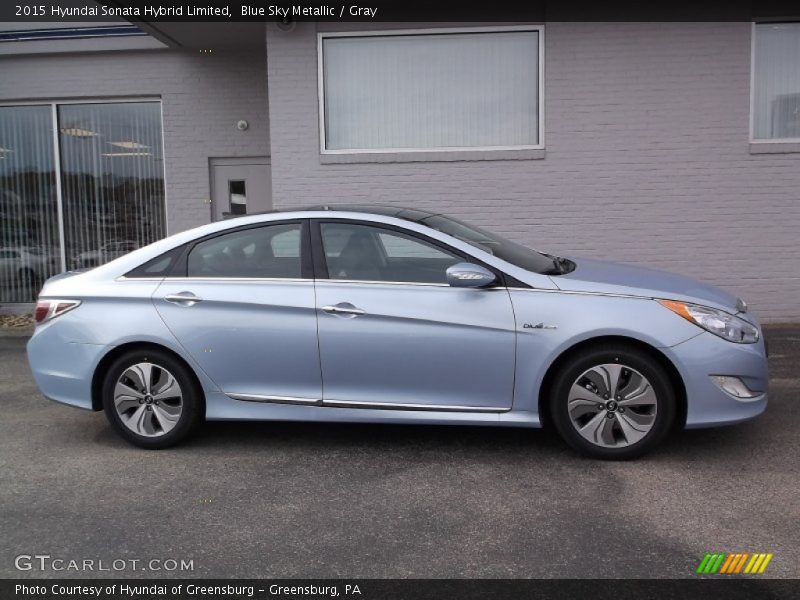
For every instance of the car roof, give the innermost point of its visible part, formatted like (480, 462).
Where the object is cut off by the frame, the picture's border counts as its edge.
(399, 212)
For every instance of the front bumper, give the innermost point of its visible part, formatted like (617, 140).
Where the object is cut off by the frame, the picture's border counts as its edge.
(705, 355)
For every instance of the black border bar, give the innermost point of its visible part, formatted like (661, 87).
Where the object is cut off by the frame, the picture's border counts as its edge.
(401, 10)
(730, 588)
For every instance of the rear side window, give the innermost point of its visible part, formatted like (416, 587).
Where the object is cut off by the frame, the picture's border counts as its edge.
(272, 251)
(160, 266)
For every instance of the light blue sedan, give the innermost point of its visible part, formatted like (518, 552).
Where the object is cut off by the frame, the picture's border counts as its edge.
(391, 315)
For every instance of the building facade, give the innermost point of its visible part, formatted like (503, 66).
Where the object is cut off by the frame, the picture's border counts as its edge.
(670, 145)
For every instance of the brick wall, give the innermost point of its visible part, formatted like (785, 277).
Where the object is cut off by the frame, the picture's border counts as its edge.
(647, 159)
(647, 148)
(203, 96)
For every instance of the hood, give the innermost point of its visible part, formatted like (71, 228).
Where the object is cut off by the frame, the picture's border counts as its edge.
(602, 276)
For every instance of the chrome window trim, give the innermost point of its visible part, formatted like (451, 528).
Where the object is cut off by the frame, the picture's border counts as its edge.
(315, 281)
(229, 279)
(371, 282)
(243, 279)
(412, 283)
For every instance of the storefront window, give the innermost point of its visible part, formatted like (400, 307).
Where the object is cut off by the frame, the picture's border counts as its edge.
(29, 242)
(111, 188)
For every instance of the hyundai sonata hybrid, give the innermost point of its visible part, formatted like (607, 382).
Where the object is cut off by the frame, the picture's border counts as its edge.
(392, 315)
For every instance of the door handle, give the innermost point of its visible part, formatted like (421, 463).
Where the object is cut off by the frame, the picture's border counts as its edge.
(183, 299)
(343, 308)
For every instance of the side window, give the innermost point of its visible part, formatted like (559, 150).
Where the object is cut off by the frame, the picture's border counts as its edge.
(160, 266)
(287, 243)
(272, 251)
(366, 253)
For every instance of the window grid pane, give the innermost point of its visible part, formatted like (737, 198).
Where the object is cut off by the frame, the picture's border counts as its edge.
(28, 202)
(776, 81)
(454, 90)
(112, 188)
(112, 179)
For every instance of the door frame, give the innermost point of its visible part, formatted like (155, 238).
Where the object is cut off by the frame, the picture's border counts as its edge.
(231, 161)
(321, 277)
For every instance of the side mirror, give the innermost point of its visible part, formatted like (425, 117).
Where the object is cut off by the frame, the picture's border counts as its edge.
(467, 275)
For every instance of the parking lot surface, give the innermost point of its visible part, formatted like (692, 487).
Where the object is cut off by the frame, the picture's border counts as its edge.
(319, 500)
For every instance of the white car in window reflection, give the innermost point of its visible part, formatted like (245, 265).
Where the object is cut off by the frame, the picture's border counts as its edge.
(26, 265)
(107, 252)
(389, 315)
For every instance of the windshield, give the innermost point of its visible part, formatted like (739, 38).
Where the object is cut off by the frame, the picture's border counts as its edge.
(509, 251)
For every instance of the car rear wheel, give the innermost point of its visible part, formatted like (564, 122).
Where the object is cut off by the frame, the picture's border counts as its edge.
(612, 402)
(152, 399)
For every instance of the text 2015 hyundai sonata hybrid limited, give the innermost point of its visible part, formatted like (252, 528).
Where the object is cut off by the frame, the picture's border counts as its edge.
(390, 315)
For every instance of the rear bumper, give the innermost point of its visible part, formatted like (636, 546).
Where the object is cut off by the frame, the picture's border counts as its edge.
(705, 355)
(63, 370)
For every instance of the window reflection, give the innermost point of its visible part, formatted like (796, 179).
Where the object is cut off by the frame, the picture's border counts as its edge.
(112, 179)
(112, 188)
(29, 247)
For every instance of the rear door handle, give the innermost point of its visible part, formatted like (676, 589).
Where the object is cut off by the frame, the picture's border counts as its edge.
(343, 308)
(183, 299)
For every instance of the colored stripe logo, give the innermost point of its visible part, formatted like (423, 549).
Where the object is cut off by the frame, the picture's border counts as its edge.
(734, 563)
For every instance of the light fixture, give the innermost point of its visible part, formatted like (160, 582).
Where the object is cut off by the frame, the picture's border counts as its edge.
(78, 132)
(735, 387)
(286, 24)
(129, 145)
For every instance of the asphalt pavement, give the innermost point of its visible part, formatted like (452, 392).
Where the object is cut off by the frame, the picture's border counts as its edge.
(321, 500)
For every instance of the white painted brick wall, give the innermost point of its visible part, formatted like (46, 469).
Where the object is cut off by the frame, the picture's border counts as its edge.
(647, 159)
(203, 96)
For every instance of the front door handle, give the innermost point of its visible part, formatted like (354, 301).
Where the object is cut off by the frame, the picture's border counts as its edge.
(343, 308)
(183, 299)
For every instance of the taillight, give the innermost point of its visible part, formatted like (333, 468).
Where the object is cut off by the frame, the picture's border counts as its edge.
(50, 309)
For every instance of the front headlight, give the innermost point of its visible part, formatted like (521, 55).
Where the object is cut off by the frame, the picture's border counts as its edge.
(718, 322)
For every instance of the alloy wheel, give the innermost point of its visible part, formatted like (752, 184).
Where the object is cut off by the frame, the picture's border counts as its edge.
(612, 405)
(148, 399)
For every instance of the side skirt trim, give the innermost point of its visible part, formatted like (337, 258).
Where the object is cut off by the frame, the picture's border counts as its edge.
(426, 407)
(362, 404)
(276, 399)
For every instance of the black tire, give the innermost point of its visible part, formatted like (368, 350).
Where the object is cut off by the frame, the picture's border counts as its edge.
(193, 403)
(639, 360)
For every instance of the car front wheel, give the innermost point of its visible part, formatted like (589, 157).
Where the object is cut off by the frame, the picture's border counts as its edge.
(612, 402)
(151, 399)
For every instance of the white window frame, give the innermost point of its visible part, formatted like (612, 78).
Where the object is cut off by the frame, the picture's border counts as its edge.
(539, 29)
(54, 104)
(753, 139)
